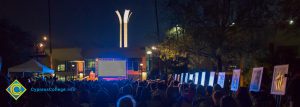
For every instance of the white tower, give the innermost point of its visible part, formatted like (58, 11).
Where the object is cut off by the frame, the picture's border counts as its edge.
(124, 40)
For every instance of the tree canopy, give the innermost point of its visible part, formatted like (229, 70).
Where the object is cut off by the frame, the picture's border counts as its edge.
(227, 33)
(16, 46)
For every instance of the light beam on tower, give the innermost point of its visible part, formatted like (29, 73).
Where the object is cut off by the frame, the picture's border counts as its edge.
(120, 22)
(127, 14)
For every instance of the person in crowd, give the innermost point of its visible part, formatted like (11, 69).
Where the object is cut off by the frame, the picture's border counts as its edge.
(200, 96)
(243, 98)
(217, 95)
(126, 101)
(228, 101)
(172, 93)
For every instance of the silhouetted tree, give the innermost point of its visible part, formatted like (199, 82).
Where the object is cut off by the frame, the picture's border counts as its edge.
(16, 46)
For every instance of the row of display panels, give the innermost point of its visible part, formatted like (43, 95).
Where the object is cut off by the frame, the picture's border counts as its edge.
(200, 78)
(278, 82)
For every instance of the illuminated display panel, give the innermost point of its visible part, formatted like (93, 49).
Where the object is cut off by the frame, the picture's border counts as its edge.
(196, 78)
(279, 79)
(181, 78)
(203, 78)
(80, 66)
(235, 79)
(111, 68)
(61, 67)
(221, 79)
(211, 79)
(186, 77)
(191, 77)
(178, 77)
(257, 74)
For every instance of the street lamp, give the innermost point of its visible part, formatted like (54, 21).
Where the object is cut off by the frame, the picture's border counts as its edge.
(232, 24)
(153, 48)
(41, 45)
(291, 22)
(141, 64)
(149, 52)
(45, 38)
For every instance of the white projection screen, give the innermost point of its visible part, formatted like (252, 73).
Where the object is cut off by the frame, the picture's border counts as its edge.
(111, 68)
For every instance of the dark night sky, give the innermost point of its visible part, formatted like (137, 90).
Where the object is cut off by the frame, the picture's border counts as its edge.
(83, 23)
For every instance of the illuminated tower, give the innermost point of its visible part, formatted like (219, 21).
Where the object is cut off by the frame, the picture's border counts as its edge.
(124, 40)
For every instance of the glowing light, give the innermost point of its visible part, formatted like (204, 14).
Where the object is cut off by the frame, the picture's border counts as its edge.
(291, 22)
(211, 79)
(45, 38)
(41, 45)
(153, 48)
(186, 77)
(120, 22)
(126, 19)
(181, 78)
(232, 24)
(149, 52)
(203, 78)
(141, 64)
(144, 75)
(191, 77)
(80, 76)
(196, 78)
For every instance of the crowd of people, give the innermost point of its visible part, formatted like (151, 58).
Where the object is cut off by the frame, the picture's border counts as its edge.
(129, 93)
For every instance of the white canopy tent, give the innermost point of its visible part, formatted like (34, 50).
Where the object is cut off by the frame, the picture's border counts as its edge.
(31, 66)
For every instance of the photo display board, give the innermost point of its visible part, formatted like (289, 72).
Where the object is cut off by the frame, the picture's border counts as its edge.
(279, 79)
(211, 79)
(235, 79)
(186, 77)
(196, 78)
(221, 79)
(178, 78)
(175, 77)
(256, 78)
(191, 77)
(202, 78)
(181, 78)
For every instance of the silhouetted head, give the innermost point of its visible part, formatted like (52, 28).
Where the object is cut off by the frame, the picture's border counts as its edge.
(126, 101)
(217, 87)
(228, 101)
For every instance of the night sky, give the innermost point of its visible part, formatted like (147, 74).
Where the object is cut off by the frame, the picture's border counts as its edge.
(83, 23)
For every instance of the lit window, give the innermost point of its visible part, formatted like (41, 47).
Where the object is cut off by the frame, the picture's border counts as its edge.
(61, 67)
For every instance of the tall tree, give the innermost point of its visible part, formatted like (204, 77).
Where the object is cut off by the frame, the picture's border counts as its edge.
(16, 46)
(225, 32)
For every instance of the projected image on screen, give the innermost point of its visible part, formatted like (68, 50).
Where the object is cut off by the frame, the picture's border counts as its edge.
(112, 68)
